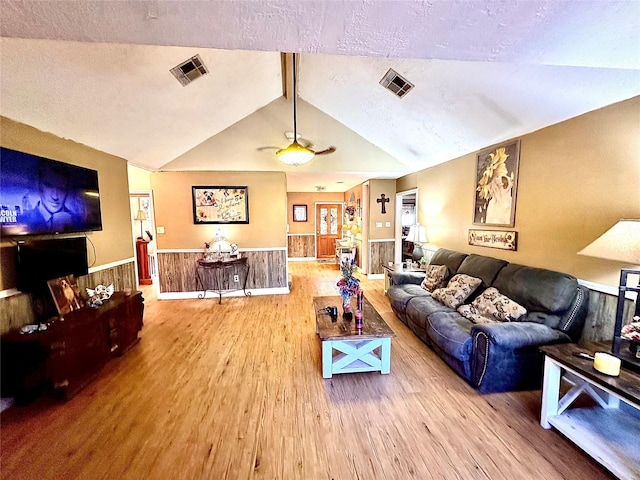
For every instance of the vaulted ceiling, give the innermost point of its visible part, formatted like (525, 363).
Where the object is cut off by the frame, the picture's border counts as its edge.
(97, 72)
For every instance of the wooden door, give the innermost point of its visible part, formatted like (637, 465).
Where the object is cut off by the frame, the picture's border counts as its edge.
(328, 229)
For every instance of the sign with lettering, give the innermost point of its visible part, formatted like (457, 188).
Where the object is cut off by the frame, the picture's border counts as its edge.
(220, 204)
(503, 239)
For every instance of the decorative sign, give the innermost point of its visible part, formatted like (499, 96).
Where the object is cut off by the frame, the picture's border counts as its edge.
(503, 239)
(220, 205)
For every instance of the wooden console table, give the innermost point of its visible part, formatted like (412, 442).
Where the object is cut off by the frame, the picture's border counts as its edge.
(70, 351)
(609, 430)
(221, 276)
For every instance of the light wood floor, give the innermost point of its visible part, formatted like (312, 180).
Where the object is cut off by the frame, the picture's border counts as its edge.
(235, 391)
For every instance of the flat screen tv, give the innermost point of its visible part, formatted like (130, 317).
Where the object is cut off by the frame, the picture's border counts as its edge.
(40, 260)
(42, 196)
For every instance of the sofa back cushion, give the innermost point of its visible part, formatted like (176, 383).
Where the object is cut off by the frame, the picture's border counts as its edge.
(547, 295)
(484, 268)
(451, 259)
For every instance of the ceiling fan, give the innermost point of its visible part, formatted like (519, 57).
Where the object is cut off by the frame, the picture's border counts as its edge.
(300, 151)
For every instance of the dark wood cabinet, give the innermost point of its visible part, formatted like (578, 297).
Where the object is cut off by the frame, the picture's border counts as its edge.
(142, 256)
(72, 350)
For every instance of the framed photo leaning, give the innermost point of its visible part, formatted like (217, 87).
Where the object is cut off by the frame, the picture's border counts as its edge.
(220, 204)
(299, 213)
(496, 185)
(66, 294)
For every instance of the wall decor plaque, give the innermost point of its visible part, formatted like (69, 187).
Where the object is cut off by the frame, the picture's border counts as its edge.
(502, 239)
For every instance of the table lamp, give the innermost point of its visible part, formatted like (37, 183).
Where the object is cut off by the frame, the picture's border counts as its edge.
(418, 236)
(621, 243)
(141, 217)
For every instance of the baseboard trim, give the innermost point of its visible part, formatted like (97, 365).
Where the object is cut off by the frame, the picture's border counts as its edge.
(210, 294)
(301, 259)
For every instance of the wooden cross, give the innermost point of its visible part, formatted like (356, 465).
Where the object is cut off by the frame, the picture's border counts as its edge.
(383, 199)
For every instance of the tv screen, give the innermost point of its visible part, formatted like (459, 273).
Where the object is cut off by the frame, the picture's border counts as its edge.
(40, 196)
(40, 260)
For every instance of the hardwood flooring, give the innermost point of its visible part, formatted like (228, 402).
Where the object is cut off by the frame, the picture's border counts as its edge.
(235, 391)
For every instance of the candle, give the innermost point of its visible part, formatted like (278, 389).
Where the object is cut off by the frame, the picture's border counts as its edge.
(607, 364)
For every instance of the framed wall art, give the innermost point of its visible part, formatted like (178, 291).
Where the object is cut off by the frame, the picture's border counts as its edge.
(496, 185)
(299, 213)
(220, 204)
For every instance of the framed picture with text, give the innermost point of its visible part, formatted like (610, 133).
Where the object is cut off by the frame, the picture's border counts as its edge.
(299, 213)
(220, 204)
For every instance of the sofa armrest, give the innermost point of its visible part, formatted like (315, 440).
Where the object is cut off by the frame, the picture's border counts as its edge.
(519, 334)
(404, 278)
(505, 356)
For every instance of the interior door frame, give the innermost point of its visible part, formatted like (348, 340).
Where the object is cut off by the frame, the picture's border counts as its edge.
(397, 256)
(316, 222)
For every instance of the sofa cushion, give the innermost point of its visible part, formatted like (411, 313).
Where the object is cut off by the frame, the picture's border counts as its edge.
(484, 268)
(436, 277)
(450, 335)
(419, 308)
(459, 288)
(537, 289)
(400, 295)
(449, 258)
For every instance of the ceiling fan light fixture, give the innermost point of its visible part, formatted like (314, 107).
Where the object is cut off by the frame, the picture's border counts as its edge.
(295, 154)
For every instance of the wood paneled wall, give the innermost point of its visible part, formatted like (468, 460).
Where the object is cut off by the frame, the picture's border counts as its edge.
(17, 310)
(601, 317)
(177, 270)
(379, 253)
(301, 246)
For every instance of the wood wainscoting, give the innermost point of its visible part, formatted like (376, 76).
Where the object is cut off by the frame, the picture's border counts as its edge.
(17, 310)
(177, 270)
(301, 245)
(380, 252)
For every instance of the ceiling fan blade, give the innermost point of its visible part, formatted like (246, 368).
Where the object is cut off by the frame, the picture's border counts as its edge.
(331, 149)
(260, 149)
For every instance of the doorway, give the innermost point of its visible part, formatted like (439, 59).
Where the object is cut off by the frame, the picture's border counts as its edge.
(328, 229)
(143, 229)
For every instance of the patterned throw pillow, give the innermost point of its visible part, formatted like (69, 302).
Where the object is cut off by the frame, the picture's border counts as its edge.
(473, 314)
(494, 305)
(457, 291)
(436, 277)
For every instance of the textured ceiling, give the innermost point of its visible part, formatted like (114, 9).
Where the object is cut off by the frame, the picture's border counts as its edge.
(98, 73)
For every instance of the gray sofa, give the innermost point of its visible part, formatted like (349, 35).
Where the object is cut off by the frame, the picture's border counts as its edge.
(500, 356)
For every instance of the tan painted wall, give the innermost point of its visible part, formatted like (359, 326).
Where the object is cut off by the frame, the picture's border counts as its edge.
(139, 179)
(267, 193)
(408, 182)
(376, 188)
(114, 242)
(308, 199)
(576, 180)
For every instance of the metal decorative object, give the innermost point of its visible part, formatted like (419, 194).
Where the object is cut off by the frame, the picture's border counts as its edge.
(99, 295)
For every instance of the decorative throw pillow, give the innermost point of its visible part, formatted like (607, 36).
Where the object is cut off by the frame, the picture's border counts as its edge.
(473, 314)
(457, 291)
(436, 277)
(491, 303)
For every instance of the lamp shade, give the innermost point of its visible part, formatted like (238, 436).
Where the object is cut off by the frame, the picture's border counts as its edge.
(295, 154)
(140, 215)
(417, 234)
(620, 243)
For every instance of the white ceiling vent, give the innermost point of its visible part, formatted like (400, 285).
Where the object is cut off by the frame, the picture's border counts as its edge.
(189, 70)
(396, 83)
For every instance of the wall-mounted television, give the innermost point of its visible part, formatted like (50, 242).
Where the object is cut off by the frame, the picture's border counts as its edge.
(42, 196)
